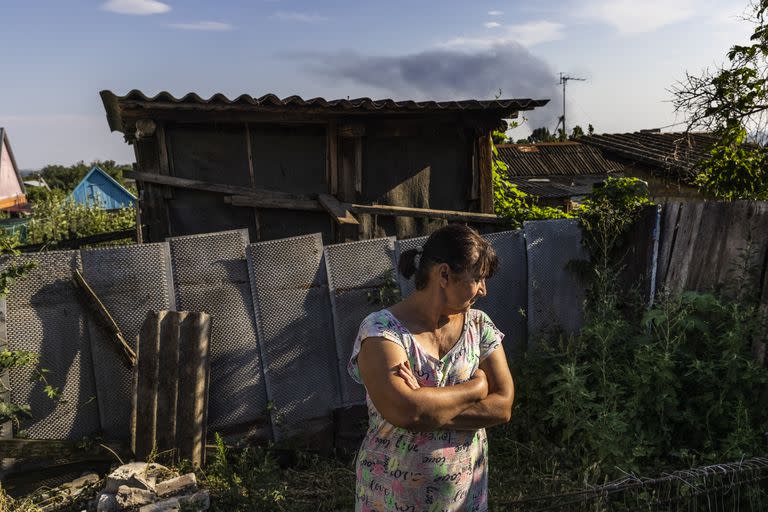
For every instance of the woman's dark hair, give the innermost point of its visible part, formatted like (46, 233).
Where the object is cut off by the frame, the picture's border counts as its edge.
(460, 246)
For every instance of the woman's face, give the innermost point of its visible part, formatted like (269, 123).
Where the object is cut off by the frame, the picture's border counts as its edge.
(461, 290)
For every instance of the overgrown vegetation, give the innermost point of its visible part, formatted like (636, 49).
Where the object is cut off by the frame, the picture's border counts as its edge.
(56, 218)
(642, 390)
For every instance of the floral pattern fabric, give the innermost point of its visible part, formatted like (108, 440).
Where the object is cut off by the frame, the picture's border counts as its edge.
(442, 471)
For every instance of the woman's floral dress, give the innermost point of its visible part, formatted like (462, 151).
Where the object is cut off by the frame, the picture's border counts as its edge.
(441, 471)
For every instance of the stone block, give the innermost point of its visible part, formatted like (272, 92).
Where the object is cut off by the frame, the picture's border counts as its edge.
(130, 497)
(184, 484)
(139, 475)
(170, 505)
(106, 502)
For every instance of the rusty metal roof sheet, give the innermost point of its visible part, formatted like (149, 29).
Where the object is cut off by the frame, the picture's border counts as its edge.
(558, 158)
(667, 153)
(114, 104)
(557, 188)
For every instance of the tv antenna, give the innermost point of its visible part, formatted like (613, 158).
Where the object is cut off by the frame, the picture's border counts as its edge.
(564, 79)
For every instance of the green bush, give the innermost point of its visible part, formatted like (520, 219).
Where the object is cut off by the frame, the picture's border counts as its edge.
(642, 389)
(56, 218)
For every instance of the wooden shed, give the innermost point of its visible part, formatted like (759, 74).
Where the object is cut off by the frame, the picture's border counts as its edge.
(349, 169)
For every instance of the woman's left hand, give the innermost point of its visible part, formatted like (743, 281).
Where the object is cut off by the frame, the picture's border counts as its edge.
(404, 371)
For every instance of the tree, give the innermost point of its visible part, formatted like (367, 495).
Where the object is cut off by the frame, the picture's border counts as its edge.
(732, 102)
(577, 132)
(67, 177)
(541, 135)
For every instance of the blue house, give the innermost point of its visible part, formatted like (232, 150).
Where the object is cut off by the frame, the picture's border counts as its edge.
(99, 189)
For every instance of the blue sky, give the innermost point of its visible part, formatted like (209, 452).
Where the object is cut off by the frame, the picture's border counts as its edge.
(56, 55)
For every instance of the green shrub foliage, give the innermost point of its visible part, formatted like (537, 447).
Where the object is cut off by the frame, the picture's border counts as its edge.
(642, 388)
(55, 218)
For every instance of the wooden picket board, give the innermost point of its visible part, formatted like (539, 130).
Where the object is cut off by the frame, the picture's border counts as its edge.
(682, 252)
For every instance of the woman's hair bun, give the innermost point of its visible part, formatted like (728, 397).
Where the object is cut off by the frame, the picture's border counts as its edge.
(407, 265)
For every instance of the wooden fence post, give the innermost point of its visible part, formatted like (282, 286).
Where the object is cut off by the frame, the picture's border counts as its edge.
(170, 401)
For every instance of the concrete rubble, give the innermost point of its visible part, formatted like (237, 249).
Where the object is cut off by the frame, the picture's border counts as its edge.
(144, 487)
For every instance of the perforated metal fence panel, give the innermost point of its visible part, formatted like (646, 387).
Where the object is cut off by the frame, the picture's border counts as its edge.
(295, 332)
(45, 316)
(210, 274)
(129, 281)
(555, 293)
(356, 271)
(406, 285)
(507, 291)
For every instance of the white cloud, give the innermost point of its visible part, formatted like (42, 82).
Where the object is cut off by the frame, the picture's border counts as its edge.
(495, 13)
(203, 25)
(142, 7)
(633, 17)
(301, 17)
(491, 24)
(526, 34)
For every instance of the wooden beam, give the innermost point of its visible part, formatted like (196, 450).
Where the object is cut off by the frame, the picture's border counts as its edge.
(358, 165)
(106, 318)
(351, 130)
(154, 209)
(309, 205)
(404, 211)
(332, 149)
(337, 210)
(58, 450)
(252, 175)
(485, 172)
(162, 151)
(263, 198)
(376, 209)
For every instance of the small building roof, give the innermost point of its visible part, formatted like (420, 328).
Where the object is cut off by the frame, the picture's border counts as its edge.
(79, 195)
(554, 159)
(556, 188)
(12, 191)
(120, 108)
(668, 153)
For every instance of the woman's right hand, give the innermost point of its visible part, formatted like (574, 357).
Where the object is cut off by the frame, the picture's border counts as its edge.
(481, 381)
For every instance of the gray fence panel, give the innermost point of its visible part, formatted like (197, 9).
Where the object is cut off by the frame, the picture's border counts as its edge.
(295, 327)
(45, 316)
(129, 281)
(406, 285)
(507, 291)
(555, 293)
(210, 274)
(355, 270)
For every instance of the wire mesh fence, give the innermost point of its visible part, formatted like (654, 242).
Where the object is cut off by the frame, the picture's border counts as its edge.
(728, 487)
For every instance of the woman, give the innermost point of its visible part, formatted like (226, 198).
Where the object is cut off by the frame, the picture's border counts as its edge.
(435, 375)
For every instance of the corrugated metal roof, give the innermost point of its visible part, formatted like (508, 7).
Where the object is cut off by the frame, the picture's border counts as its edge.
(558, 158)
(677, 153)
(555, 189)
(114, 104)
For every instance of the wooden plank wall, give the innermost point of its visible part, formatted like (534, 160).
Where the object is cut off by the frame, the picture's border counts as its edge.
(712, 245)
